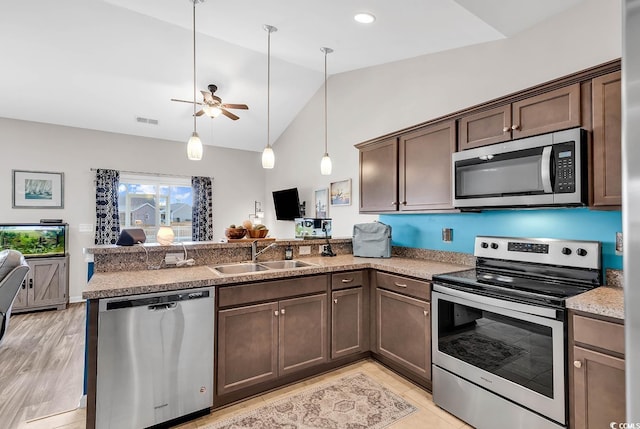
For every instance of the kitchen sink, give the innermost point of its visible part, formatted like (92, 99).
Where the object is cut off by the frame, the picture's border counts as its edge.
(286, 264)
(245, 267)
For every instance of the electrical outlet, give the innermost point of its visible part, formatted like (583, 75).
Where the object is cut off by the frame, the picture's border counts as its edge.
(173, 258)
(304, 250)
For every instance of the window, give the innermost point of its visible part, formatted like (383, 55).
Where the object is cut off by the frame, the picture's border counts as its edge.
(149, 202)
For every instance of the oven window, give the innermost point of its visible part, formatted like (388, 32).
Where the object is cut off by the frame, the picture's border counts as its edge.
(513, 349)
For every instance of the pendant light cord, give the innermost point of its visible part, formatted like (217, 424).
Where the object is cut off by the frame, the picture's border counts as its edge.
(325, 102)
(194, 65)
(268, 86)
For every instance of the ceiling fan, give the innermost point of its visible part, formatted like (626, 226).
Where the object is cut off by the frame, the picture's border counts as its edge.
(212, 105)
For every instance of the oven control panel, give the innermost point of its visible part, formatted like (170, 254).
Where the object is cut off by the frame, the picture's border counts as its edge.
(570, 253)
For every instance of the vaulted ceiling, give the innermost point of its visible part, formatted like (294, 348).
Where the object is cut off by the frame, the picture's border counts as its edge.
(101, 64)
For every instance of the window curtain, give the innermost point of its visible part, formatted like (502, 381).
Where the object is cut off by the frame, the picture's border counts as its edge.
(107, 214)
(202, 211)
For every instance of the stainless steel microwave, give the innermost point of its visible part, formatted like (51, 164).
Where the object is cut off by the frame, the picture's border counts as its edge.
(545, 170)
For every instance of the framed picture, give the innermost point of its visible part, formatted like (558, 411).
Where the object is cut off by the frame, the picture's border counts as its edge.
(322, 203)
(37, 190)
(341, 193)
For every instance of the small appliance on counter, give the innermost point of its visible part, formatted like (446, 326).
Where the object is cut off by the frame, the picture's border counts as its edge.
(311, 228)
(372, 240)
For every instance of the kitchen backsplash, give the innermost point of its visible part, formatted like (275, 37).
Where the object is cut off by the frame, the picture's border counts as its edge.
(424, 231)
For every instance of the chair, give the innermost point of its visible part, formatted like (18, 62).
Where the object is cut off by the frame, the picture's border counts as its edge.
(13, 270)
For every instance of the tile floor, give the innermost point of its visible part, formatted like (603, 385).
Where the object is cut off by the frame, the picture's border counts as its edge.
(428, 416)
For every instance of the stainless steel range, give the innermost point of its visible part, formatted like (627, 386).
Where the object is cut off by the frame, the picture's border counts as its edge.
(499, 331)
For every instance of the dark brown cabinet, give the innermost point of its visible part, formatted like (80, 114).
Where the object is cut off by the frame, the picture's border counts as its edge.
(46, 285)
(409, 173)
(598, 376)
(349, 314)
(403, 325)
(550, 111)
(261, 342)
(607, 140)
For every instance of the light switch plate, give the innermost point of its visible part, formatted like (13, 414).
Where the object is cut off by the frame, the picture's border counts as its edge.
(304, 250)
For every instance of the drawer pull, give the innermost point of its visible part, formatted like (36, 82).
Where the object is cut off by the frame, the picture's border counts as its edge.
(347, 280)
(282, 311)
(399, 284)
(577, 364)
(335, 301)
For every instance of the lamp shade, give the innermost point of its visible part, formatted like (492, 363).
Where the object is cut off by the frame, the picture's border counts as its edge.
(165, 235)
(268, 158)
(194, 147)
(325, 165)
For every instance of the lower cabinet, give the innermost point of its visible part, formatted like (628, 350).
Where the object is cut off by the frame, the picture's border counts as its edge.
(403, 331)
(598, 376)
(46, 285)
(349, 313)
(261, 342)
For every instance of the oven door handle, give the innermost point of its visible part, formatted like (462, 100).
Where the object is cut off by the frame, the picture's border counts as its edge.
(549, 313)
(545, 169)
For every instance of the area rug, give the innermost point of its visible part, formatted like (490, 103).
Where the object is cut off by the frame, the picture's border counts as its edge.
(352, 402)
(480, 350)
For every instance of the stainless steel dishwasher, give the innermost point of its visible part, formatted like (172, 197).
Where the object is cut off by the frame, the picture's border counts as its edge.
(155, 358)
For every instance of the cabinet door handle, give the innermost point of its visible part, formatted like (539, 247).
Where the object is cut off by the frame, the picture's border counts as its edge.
(505, 129)
(399, 284)
(347, 280)
(426, 312)
(577, 364)
(395, 203)
(335, 301)
(30, 283)
(275, 313)
(24, 284)
(282, 311)
(515, 127)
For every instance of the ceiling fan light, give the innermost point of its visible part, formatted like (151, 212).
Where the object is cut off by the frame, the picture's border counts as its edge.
(212, 111)
(268, 158)
(194, 147)
(325, 165)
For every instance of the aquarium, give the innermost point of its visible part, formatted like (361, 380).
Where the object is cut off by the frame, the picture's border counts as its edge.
(35, 240)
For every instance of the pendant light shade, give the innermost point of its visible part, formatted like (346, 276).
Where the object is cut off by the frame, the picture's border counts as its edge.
(194, 145)
(325, 164)
(268, 157)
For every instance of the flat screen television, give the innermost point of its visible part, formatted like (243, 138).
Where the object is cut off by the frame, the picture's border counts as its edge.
(287, 204)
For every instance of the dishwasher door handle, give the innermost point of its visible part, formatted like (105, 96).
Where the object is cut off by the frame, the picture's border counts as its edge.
(163, 306)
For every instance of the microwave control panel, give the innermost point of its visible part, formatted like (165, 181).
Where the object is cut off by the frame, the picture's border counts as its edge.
(564, 157)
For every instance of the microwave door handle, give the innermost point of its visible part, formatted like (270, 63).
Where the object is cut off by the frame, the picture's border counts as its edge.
(545, 169)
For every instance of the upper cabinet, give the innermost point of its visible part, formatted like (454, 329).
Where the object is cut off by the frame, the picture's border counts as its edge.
(547, 112)
(411, 172)
(607, 140)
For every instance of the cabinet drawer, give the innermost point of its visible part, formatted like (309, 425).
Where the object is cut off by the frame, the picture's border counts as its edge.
(404, 285)
(347, 280)
(598, 333)
(271, 290)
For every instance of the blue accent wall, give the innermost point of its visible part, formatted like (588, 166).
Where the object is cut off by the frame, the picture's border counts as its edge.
(424, 231)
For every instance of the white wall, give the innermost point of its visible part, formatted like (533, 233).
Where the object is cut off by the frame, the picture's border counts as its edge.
(237, 176)
(367, 103)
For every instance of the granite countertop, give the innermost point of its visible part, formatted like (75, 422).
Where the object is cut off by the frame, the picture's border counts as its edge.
(124, 283)
(602, 301)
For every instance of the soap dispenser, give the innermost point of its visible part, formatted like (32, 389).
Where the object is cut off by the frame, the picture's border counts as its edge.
(288, 253)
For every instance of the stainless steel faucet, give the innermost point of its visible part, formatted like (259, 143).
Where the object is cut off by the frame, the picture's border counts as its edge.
(254, 250)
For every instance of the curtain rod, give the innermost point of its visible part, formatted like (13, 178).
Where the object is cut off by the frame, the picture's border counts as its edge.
(146, 173)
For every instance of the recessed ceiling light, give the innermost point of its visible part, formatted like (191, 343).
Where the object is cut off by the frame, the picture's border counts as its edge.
(364, 17)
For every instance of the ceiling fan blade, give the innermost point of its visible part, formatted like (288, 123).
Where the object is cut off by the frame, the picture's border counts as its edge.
(230, 115)
(200, 112)
(235, 106)
(184, 101)
(207, 96)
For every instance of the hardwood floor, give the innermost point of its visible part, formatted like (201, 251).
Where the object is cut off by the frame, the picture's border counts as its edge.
(41, 365)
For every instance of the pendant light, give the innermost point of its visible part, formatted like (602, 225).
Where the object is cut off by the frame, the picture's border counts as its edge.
(268, 157)
(194, 145)
(325, 164)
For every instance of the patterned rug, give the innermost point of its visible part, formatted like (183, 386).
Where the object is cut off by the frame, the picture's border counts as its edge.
(352, 402)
